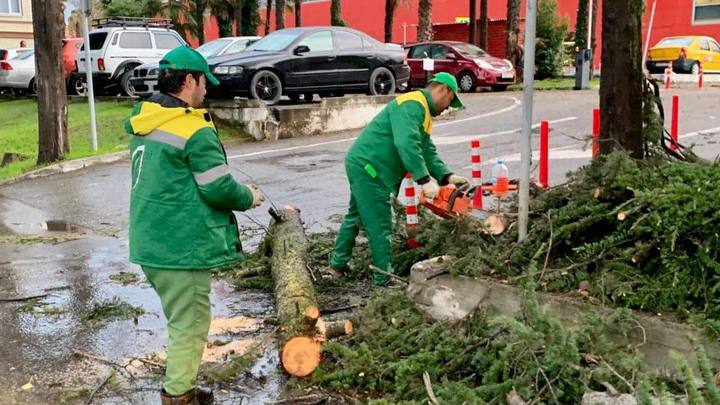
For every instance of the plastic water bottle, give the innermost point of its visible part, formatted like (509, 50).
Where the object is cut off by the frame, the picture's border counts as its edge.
(501, 176)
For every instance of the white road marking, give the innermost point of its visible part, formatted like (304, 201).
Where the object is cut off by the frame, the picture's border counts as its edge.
(452, 140)
(516, 104)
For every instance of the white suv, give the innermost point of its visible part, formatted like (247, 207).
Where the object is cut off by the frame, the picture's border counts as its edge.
(120, 44)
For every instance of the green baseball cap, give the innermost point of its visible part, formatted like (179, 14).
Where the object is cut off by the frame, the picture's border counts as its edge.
(186, 58)
(449, 80)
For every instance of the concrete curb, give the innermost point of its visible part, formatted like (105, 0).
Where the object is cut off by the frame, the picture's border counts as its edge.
(69, 166)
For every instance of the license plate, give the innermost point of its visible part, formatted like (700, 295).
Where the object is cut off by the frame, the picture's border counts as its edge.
(507, 75)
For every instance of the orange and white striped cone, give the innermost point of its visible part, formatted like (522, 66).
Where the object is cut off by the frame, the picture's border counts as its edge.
(668, 77)
(476, 174)
(411, 211)
(700, 79)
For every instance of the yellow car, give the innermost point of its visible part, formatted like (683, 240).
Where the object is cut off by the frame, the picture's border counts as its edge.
(686, 54)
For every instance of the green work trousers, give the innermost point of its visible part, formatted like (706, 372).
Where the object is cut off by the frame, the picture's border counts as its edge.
(185, 299)
(369, 206)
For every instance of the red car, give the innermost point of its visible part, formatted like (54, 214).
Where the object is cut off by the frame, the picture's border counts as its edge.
(70, 48)
(471, 65)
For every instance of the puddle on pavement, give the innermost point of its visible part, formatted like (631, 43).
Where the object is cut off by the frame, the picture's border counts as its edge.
(68, 279)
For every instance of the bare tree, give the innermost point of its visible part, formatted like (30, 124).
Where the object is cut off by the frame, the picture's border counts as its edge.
(622, 78)
(279, 14)
(48, 31)
(425, 29)
(268, 14)
(484, 24)
(513, 52)
(472, 35)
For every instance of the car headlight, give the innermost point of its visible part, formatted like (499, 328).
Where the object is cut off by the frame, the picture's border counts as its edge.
(228, 70)
(483, 65)
(153, 72)
(508, 63)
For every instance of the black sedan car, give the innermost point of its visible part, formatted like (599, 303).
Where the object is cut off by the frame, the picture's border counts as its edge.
(329, 61)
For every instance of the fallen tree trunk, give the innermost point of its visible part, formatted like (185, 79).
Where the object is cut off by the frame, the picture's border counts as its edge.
(297, 309)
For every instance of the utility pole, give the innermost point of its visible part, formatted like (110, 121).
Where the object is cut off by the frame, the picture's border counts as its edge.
(88, 72)
(525, 151)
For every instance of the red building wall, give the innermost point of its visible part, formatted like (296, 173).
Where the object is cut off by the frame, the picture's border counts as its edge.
(673, 17)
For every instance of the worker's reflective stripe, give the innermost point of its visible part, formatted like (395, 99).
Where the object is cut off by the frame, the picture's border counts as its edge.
(211, 175)
(167, 138)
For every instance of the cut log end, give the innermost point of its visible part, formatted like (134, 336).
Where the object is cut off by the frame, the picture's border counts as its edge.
(332, 330)
(496, 224)
(312, 313)
(301, 356)
(621, 216)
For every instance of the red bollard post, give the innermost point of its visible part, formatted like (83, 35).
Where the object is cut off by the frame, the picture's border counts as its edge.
(411, 211)
(476, 174)
(596, 132)
(675, 122)
(700, 79)
(544, 134)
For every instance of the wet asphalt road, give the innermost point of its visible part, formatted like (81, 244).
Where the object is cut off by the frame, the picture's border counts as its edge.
(307, 173)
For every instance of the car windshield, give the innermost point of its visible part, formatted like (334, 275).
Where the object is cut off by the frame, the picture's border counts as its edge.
(470, 50)
(277, 41)
(213, 48)
(674, 42)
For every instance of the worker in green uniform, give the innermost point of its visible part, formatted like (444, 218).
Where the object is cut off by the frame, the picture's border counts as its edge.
(396, 141)
(181, 212)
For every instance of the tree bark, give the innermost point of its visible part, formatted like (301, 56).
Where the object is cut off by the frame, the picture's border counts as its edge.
(622, 78)
(279, 14)
(484, 24)
(200, 7)
(297, 310)
(336, 13)
(238, 5)
(268, 14)
(472, 34)
(48, 28)
(390, 7)
(512, 49)
(298, 13)
(424, 30)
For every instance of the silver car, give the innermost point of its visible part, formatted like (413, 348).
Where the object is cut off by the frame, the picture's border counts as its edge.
(144, 80)
(17, 75)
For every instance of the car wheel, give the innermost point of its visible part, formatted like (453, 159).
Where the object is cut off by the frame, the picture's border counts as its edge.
(308, 97)
(467, 83)
(500, 87)
(695, 68)
(126, 85)
(78, 86)
(266, 87)
(382, 82)
(33, 87)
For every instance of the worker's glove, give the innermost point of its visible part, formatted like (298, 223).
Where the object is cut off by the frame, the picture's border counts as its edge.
(431, 189)
(458, 180)
(258, 198)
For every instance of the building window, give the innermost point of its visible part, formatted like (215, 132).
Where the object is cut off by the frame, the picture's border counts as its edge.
(10, 7)
(706, 12)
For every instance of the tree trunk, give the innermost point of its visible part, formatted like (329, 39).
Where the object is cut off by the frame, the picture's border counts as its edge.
(298, 13)
(472, 34)
(424, 30)
(48, 28)
(268, 14)
(238, 4)
(512, 49)
(593, 34)
(484, 24)
(200, 6)
(336, 13)
(279, 14)
(622, 78)
(297, 310)
(390, 7)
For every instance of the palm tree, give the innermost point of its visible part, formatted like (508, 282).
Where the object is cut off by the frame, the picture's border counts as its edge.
(298, 13)
(424, 30)
(484, 24)
(183, 22)
(390, 7)
(279, 14)
(198, 8)
(223, 12)
(336, 13)
(512, 50)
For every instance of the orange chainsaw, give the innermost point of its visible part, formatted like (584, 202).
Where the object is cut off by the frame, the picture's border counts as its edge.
(451, 201)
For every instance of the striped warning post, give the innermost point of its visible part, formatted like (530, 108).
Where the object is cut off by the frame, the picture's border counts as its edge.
(411, 210)
(476, 174)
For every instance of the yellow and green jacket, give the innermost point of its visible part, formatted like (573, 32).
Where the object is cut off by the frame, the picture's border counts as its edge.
(182, 192)
(397, 141)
